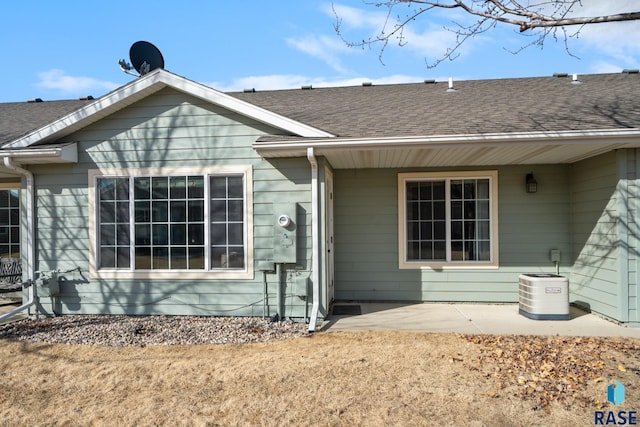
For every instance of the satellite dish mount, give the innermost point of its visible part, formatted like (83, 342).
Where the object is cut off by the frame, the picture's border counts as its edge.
(144, 57)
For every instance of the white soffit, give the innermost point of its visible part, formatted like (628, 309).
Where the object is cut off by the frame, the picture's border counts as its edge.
(457, 150)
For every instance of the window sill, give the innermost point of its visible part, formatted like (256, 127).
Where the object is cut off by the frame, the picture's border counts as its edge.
(172, 275)
(449, 266)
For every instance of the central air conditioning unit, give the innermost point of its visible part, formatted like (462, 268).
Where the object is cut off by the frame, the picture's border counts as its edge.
(544, 296)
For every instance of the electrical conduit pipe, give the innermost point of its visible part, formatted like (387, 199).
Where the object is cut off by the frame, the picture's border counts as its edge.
(8, 163)
(315, 237)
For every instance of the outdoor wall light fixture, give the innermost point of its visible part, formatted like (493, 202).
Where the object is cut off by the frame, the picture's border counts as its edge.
(531, 183)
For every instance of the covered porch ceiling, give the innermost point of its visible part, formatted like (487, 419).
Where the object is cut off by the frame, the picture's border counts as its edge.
(451, 151)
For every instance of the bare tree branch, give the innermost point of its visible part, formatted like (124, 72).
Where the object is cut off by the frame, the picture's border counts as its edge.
(544, 17)
(507, 12)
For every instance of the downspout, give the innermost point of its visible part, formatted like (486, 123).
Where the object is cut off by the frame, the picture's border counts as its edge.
(315, 238)
(30, 236)
(29, 303)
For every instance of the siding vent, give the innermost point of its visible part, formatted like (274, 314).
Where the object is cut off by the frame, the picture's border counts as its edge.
(35, 100)
(250, 90)
(631, 71)
(307, 87)
(560, 75)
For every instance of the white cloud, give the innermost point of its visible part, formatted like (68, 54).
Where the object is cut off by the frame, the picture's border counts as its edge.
(426, 37)
(268, 82)
(352, 17)
(322, 47)
(284, 81)
(600, 67)
(56, 79)
(614, 39)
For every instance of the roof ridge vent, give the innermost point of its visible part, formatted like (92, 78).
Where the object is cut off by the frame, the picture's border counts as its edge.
(250, 90)
(429, 81)
(86, 98)
(367, 84)
(560, 74)
(35, 100)
(630, 71)
(307, 87)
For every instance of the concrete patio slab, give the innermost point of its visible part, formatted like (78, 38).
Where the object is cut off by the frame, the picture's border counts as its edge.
(493, 319)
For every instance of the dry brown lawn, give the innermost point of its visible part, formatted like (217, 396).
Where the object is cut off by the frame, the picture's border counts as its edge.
(329, 379)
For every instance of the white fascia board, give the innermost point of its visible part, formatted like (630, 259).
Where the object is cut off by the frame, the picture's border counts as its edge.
(92, 112)
(628, 136)
(147, 85)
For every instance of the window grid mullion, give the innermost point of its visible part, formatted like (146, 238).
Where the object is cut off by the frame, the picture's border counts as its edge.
(207, 223)
(245, 230)
(491, 239)
(447, 197)
(132, 225)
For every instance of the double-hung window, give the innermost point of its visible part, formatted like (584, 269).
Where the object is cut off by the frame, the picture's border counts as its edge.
(448, 219)
(159, 222)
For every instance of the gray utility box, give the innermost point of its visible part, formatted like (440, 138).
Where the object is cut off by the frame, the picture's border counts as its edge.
(544, 296)
(284, 236)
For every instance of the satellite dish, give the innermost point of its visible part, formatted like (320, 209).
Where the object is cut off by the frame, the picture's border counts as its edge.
(144, 56)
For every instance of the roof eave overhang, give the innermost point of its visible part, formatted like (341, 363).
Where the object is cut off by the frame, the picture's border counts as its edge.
(63, 153)
(600, 139)
(147, 85)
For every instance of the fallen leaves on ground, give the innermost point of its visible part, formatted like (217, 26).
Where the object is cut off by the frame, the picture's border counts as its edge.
(545, 370)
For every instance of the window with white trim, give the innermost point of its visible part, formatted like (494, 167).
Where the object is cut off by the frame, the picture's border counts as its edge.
(176, 222)
(10, 223)
(447, 219)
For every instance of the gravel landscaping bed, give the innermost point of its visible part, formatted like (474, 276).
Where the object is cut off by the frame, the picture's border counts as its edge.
(123, 331)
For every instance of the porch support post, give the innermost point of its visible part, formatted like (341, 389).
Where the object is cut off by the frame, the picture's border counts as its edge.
(315, 240)
(31, 229)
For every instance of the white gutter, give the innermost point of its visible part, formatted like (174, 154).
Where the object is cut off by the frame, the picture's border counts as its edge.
(624, 136)
(30, 267)
(315, 240)
(62, 153)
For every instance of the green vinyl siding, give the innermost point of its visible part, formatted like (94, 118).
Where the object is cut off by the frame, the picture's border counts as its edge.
(605, 201)
(595, 201)
(166, 130)
(366, 230)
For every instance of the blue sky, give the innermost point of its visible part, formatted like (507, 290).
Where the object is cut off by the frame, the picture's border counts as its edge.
(68, 49)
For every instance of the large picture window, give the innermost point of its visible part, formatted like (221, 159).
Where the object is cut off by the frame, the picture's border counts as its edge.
(171, 222)
(448, 219)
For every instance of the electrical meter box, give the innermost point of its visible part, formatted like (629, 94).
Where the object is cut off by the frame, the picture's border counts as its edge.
(284, 236)
(47, 283)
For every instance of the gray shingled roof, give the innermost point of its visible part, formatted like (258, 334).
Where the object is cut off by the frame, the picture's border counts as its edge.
(602, 101)
(19, 118)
